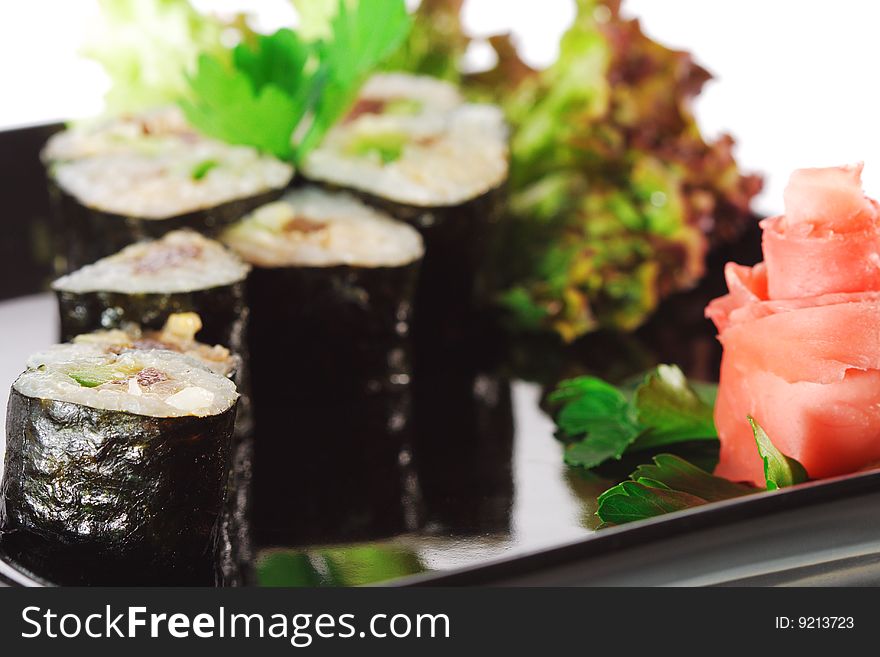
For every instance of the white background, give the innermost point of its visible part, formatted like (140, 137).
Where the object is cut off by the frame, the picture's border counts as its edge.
(796, 80)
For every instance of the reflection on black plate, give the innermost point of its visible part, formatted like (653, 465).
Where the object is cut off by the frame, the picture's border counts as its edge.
(457, 469)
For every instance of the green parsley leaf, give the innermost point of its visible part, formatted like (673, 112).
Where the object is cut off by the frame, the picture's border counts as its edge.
(600, 412)
(587, 400)
(669, 484)
(363, 34)
(631, 500)
(278, 59)
(228, 106)
(603, 422)
(605, 442)
(281, 94)
(677, 474)
(780, 471)
(671, 410)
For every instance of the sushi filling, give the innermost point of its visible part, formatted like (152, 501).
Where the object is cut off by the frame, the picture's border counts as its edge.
(156, 167)
(177, 335)
(315, 228)
(181, 261)
(414, 150)
(151, 383)
(404, 94)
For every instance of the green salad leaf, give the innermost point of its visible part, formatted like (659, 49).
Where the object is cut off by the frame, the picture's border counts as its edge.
(601, 422)
(615, 194)
(148, 48)
(314, 18)
(780, 470)
(436, 43)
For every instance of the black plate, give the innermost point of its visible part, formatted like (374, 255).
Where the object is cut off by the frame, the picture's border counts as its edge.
(478, 492)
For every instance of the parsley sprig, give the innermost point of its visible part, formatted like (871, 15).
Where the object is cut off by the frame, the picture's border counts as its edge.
(601, 422)
(672, 484)
(281, 94)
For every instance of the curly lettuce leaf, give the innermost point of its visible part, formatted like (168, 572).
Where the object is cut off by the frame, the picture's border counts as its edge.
(436, 43)
(148, 48)
(615, 195)
(314, 18)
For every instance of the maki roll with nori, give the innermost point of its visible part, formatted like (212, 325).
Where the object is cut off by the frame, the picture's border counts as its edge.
(178, 335)
(116, 467)
(146, 282)
(412, 147)
(137, 177)
(330, 292)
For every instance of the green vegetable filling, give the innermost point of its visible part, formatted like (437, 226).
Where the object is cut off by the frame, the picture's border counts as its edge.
(403, 107)
(94, 376)
(201, 170)
(388, 146)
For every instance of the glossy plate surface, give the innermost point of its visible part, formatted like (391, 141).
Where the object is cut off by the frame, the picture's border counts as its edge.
(473, 475)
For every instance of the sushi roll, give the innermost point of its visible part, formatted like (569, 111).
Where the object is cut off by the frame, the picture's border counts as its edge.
(138, 177)
(413, 148)
(146, 282)
(116, 467)
(178, 335)
(330, 294)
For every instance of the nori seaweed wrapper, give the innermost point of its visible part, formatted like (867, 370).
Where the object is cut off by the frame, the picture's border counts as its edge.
(92, 496)
(455, 286)
(235, 565)
(334, 472)
(330, 356)
(322, 333)
(84, 234)
(222, 309)
(224, 315)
